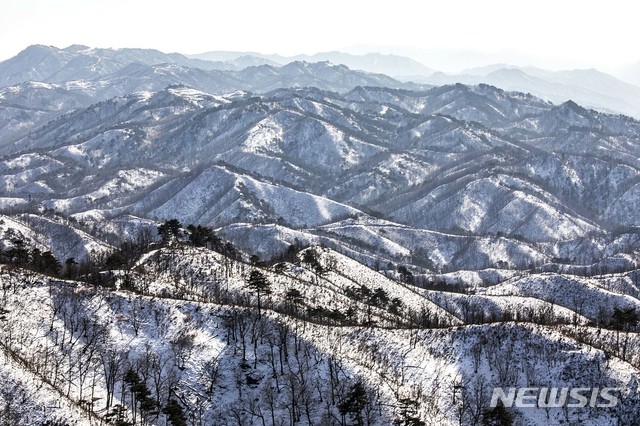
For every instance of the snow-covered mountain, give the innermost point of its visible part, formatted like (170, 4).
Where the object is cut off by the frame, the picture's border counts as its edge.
(392, 65)
(42, 82)
(64, 239)
(54, 65)
(145, 69)
(241, 242)
(463, 163)
(182, 337)
(588, 87)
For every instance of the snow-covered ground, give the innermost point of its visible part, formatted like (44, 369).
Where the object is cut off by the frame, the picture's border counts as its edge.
(191, 331)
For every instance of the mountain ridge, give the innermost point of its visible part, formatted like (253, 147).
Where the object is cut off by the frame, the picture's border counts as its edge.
(472, 161)
(254, 243)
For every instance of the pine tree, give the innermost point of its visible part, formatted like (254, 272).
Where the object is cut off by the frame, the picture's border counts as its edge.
(141, 395)
(405, 275)
(279, 268)
(50, 265)
(625, 318)
(497, 416)
(169, 230)
(408, 413)
(310, 257)
(354, 403)
(175, 413)
(71, 268)
(259, 283)
(379, 298)
(203, 236)
(18, 254)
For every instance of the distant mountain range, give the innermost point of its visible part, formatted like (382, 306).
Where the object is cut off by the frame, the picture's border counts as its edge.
(588, 87)
(392, 65)
(591, 88)
(131, 69)
(219, 72)
(43, 82)
(318, 152)
(386, 172)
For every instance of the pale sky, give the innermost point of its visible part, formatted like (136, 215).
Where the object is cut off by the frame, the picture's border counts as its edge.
(445, 34)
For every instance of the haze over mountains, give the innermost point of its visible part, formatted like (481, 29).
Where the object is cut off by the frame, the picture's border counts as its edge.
(588, 87)
(218, 72)
(392, 65)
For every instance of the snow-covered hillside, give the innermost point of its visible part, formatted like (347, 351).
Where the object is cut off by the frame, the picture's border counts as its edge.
(182, 335)
(62, 238)
(481, 176)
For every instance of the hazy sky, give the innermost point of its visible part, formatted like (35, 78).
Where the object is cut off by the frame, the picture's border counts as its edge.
(445, 34)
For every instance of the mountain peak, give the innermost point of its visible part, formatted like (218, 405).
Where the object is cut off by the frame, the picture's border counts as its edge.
(305, 67)
(76, 48)
(508, 72)
(572, 106)
(35, 49)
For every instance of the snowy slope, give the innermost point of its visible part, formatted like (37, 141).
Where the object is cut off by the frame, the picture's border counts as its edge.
(204, 343)
(60, 237)
(518, 180)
